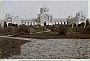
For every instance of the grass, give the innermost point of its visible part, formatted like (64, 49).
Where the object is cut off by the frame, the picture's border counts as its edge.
(10, 47)
(54, 35)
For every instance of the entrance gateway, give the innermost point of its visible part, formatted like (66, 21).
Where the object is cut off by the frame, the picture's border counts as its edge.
(44, 22)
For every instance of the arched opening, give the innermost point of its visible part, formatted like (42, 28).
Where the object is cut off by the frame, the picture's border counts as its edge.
(67, 22)
(64, 23)
(44, 23)
(58, 22)
(22, 22)
(35, 23)
(55, 22)
(25, 23)
(61, 22)
(28, 23)
(82, 25)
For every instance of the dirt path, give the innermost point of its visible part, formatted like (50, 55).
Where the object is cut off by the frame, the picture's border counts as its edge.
(17, 38)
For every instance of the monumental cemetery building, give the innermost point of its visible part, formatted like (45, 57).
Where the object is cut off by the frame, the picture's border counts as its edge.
(44, 18)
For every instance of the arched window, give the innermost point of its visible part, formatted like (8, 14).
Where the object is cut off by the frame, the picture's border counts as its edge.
(61, 22)
(22, 22)
(25, 23)
(28, 23)
(64, 22)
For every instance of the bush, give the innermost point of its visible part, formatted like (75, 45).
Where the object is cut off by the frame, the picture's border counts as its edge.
(87, 29)
(23, 29)
(13, 25)
(87, 22)
(53, 28)
(1, 29)
(8, 30)
(62, 30)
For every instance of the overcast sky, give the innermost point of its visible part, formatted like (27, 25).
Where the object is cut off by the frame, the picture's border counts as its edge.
(30, 9)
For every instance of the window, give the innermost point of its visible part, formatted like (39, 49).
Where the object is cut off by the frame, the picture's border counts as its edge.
(44, 10)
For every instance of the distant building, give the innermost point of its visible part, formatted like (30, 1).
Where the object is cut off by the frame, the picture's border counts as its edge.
(44, 18)
(11, 19)
(78, 19)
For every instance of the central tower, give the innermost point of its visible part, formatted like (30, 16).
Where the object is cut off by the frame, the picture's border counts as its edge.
(44, 10)
(44, 18)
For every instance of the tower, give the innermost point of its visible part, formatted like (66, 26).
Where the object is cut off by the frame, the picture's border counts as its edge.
(44, 10)
(8, 18)
(44, 18)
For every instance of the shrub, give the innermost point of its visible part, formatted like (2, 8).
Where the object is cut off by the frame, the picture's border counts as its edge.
(87, 29)
(1, 29)
(13, 25)
(87, 22)
(62, 30)
(5, 24)
(23, 29)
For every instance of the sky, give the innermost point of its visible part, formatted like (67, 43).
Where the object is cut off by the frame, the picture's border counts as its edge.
(30, 9)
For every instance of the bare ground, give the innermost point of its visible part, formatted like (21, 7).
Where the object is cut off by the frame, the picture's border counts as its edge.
(55, 49)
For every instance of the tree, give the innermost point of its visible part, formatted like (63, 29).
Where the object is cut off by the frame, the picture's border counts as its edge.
(87, 29)
(16, 25)
(87, 22)
(1, 28)
(5, 24)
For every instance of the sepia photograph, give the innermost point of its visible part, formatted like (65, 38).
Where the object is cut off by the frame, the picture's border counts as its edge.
(44, 29)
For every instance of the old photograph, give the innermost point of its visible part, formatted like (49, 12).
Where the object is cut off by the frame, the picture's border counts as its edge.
(44, 29)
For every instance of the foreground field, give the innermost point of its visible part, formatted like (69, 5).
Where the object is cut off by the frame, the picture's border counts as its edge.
(55, 49)
(27, 48)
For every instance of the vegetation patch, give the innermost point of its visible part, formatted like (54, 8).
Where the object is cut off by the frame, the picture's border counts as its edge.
(10, 47)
